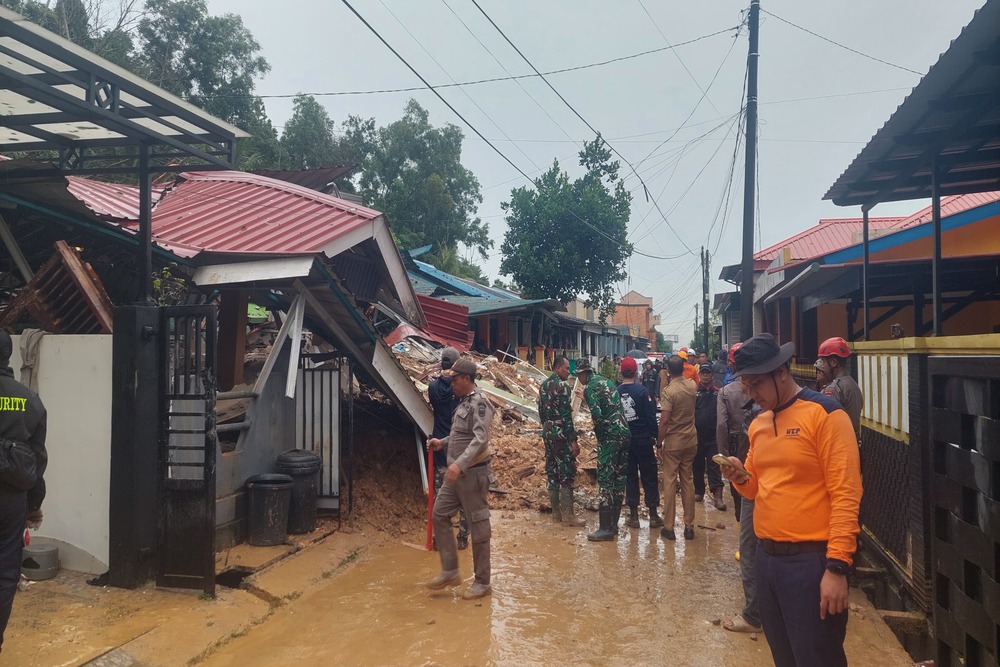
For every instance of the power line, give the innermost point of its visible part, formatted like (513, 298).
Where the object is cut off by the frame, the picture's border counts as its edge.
(476, 130)
(476, 82)
(464, 91)
(517, 81)
(835, 43)
(578, 115)
(656, 25)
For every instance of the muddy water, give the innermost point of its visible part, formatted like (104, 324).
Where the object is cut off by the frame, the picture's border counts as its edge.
(557, 599)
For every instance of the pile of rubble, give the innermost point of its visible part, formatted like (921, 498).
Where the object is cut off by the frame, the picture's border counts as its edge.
(515, 437)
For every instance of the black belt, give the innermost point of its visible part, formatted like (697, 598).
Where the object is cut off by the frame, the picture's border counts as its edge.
(791, 548)
(480, 465)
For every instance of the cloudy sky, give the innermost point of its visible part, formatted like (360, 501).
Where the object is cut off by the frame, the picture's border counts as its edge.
(671, 113)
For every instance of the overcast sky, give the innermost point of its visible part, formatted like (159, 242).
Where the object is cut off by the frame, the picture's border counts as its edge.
(317, 46)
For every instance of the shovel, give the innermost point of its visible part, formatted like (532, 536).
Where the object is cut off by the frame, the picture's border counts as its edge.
(430, 508)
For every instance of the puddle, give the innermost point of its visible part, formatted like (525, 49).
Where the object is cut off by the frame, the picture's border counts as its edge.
(557, 599)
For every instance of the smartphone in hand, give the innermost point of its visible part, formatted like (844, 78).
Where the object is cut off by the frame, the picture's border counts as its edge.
(724, 461)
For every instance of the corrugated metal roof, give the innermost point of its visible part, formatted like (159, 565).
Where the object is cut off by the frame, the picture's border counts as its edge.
(951, 115)
(949, 206)
(479, 305)
(826, 236)
(112, 201)
(230, 211)
(447, 320)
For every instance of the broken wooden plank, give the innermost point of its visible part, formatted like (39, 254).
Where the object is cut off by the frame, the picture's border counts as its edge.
(524, 406)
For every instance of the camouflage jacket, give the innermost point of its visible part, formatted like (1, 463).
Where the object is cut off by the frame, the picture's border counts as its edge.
(606, 408)
(555, 411)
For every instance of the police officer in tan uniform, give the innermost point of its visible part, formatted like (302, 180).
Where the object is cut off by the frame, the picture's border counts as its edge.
(466, 483)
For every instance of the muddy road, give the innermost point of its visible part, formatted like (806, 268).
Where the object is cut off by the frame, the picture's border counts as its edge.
(557, 599)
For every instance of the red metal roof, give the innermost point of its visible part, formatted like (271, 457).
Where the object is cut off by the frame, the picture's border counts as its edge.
(112, 201)
(446, 320)
(230, 211)
(949, 206)
(828, 235)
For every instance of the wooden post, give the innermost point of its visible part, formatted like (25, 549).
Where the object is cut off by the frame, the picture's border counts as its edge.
(232, 338)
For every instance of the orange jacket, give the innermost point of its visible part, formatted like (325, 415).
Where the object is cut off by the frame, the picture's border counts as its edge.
(805, 474)
(691, 372)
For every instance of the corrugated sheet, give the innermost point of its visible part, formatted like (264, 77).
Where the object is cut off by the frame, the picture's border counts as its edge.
(112, 201)
(230, 211)
(315, 179)
(827, 236)
(949, 206)
(447, 320)
(479, 305)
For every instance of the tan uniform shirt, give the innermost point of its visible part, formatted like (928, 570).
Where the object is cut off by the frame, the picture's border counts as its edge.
(729, 433)
(846, 391)
(469, 440)
(678, 398)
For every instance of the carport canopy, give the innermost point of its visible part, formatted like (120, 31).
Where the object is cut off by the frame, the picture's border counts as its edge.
(55, 95)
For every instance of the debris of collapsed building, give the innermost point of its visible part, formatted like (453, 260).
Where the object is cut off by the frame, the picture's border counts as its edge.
(516, 442)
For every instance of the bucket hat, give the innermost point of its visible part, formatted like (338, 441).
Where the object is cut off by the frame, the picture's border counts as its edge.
(583, 366)
(761, 354)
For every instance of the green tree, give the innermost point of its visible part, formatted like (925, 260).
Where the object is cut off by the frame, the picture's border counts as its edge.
(413, 172)
(210, 60)
(566, 238)
(307, 140)
(698, 342)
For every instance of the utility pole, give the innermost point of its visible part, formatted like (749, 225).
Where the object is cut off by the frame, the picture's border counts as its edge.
(704, 294)
(694, 335)
(749, 184)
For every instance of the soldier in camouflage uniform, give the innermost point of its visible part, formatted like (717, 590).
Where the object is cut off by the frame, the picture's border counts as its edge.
(555, 412)
(613, 437)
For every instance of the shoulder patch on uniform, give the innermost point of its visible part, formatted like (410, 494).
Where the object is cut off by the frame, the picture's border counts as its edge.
(482, 409)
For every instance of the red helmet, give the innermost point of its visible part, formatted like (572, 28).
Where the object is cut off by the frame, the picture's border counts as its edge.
(732, 352)
(834, 347)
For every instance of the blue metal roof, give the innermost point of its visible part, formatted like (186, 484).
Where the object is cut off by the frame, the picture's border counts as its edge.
(482, 306)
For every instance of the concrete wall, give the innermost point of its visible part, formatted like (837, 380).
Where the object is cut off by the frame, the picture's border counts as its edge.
(273, 431)
(74, 382)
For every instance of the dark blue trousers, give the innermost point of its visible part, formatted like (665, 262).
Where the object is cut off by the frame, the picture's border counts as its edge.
(788, 599)
(13, 514)
(641, 464)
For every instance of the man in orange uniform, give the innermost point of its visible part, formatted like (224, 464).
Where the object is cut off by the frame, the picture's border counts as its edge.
(805, 481)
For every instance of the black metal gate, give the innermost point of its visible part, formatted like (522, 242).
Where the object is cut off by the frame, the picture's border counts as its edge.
(187, 448)
(965, 442)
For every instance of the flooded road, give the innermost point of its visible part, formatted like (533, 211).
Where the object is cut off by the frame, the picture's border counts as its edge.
(557, 599)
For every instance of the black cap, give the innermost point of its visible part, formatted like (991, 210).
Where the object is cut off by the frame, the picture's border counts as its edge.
(705, 368)
(761, 354)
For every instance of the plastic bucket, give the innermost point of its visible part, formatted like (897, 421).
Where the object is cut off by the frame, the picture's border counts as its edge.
(269, 499)
(302, 465)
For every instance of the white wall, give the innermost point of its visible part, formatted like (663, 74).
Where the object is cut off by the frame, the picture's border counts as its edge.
(74, 382)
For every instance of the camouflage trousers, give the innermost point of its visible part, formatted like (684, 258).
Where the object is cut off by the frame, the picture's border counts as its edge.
(612, 468)
(463, 522)
(560, 464)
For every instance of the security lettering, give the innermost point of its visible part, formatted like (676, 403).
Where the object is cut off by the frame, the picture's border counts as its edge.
(13, 404)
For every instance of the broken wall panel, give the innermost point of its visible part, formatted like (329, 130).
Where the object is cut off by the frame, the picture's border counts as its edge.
(64, 296)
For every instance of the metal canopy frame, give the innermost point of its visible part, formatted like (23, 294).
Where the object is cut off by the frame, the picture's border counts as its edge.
(944, 139)
(57, 96)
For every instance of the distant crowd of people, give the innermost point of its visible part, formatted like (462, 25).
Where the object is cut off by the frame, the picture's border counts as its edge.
(790, 454)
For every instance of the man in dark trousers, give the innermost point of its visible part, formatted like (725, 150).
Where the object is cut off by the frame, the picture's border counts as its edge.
(705, 412)
(640, 413)
(22, 419)
(443, 402)
(804, 474)
(466, 482)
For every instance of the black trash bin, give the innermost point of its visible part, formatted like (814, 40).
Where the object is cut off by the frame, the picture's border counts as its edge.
(303, 467)
(269, 498)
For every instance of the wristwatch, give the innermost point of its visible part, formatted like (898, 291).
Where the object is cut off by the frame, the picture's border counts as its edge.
(836, 566)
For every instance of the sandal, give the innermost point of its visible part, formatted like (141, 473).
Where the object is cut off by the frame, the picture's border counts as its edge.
(739, 624)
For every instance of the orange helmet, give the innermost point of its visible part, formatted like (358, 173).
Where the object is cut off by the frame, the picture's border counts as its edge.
(834, 347)
(732, 352)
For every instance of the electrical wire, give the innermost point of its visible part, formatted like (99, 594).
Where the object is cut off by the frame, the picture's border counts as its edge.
(480, 134)
(476, 82)
(580, 116)
(517, 81)
(835, 43)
